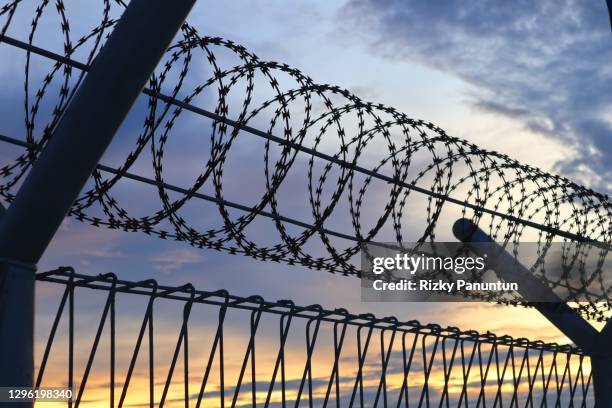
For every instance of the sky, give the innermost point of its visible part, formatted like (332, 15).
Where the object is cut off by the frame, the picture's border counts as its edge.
(529, 79)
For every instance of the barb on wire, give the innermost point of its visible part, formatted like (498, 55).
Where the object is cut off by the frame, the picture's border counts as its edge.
(297, 172)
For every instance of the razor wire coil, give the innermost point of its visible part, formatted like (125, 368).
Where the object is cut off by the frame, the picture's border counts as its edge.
(507, 199)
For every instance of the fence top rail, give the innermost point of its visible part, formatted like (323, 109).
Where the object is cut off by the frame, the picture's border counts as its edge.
(222, 298)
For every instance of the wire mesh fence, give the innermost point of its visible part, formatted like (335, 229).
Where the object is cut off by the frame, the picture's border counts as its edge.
(121, 343)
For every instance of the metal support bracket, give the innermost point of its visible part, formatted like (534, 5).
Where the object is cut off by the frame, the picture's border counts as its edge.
(597, 345)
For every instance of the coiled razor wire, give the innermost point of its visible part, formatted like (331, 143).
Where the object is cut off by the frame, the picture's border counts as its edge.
(359, 164)
(288, 355)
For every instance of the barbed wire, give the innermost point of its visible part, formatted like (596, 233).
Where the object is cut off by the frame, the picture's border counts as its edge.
(363, 165)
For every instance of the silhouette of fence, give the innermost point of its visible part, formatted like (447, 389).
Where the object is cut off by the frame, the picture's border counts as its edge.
(287, 355)
(363, 165)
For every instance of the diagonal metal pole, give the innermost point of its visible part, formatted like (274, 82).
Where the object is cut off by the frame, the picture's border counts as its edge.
(595, 344)
(116, 78)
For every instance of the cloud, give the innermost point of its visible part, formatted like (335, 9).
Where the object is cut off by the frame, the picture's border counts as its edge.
(175, 259)
(545, 64)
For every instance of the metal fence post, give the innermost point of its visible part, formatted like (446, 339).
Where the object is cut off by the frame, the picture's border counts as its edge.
(16, 324)
(601, 364)
(114, 81)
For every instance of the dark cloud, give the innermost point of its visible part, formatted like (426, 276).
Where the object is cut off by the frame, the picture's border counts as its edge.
(546, 63)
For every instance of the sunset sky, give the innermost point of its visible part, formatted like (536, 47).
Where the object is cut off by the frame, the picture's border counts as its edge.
(528, 79)
(503, 91)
